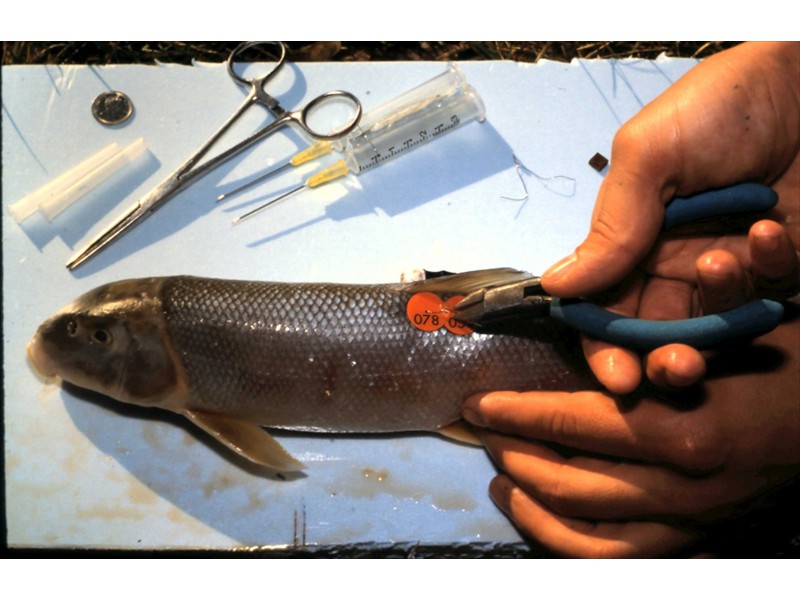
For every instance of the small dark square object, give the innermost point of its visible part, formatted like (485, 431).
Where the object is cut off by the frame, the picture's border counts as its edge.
(598, 162)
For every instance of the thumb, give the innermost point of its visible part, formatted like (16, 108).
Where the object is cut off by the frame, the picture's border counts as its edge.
(625, 224)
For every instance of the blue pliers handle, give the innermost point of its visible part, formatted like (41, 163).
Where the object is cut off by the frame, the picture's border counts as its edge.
(526, 297)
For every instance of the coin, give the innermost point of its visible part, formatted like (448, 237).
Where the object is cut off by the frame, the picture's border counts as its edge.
(112, 108)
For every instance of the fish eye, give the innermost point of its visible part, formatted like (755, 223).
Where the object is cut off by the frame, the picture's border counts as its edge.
(101, 336)
(72, 328)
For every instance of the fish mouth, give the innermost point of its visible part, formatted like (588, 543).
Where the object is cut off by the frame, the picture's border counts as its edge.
(39, 358)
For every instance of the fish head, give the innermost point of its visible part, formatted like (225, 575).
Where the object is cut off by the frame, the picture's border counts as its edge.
(111, 340)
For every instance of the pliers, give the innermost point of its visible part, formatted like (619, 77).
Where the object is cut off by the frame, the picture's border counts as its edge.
(526, 298)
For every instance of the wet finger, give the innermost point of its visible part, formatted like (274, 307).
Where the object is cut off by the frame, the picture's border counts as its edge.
(774, 258)
(595, 422)
(596, 488)
(721, 281)
(675, 366)
(567, 536)
(617, 369)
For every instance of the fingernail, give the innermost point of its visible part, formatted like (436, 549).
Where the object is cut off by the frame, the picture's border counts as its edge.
(500, 489)
(769, 243)
(471, 410)
(473, 416)
(561, 269)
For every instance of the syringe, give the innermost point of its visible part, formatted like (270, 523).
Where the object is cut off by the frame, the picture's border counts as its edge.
(422, 114)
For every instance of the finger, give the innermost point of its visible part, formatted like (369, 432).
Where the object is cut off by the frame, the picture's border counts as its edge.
(619, 236)
(578, 538)
(721, 281)
(774, 258)
(619, 370)
(606, 489)
(594, 422)
(675, 258)
(665, 300)
(675, 366)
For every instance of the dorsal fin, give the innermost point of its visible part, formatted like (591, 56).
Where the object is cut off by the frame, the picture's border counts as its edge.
(463, 284)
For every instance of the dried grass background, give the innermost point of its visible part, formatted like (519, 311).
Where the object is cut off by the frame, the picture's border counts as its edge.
(100, 53)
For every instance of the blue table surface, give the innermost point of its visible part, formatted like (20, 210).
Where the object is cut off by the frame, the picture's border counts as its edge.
(84, 472)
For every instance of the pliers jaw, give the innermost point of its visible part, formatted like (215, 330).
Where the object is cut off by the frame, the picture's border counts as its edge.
(492, 305)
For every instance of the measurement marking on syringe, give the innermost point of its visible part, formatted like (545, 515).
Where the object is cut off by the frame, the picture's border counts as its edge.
(410, 143)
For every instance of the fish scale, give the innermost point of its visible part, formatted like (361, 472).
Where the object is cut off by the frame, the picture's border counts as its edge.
(344, 358)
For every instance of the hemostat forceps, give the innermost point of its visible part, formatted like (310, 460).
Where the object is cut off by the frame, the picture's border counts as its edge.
(189, 171)
(525, 297)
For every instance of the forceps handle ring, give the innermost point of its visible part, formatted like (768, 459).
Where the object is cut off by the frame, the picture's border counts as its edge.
(255, 81)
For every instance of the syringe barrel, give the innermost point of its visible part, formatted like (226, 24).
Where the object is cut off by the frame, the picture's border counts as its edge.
(444, 84)
(431, 109)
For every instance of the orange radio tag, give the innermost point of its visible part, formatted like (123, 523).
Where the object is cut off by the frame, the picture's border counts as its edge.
(427, 312)
(454, 325)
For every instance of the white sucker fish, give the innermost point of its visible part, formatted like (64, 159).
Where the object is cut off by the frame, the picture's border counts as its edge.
(236, 356)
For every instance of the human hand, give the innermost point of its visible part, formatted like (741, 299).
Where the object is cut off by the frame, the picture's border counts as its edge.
(735, 117)
(586, 474)
(590, 474)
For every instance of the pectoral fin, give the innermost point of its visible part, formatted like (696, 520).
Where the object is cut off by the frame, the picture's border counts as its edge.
(247, 439)
(460, 432)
